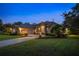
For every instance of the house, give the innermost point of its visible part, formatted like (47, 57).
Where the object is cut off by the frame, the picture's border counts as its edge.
(44, 27)
(25, 29)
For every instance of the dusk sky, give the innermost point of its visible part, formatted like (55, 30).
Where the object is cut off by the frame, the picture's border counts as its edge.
(33, 13)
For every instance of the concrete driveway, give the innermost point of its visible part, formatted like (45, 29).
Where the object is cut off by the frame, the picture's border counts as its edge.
(17, 40)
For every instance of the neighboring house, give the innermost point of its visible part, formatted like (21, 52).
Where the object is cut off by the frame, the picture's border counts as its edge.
(24, 29)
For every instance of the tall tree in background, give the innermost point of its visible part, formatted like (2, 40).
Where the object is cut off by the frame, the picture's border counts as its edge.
(72, 19)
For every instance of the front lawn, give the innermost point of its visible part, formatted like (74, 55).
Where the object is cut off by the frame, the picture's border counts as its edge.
(37, 47)
(5, 37)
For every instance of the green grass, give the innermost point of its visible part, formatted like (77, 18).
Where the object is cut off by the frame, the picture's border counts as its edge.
(5, 37)
(43, 47)
(74, 36)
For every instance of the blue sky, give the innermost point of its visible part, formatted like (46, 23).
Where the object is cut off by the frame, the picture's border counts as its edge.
(33, 12)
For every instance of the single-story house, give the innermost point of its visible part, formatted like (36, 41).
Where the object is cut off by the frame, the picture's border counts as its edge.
(24, 29)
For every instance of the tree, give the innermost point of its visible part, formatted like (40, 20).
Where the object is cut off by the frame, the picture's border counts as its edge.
(18, 23)
(7, 28)
(8, 25)
(72, 20)
(1, 25)
(57, 30)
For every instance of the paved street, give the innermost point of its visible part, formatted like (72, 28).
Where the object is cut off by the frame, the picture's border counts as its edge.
(17, 40)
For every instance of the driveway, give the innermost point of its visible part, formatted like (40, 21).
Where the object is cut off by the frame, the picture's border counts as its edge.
(17, 40)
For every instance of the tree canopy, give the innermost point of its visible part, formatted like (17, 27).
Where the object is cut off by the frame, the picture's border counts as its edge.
(72, 19)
